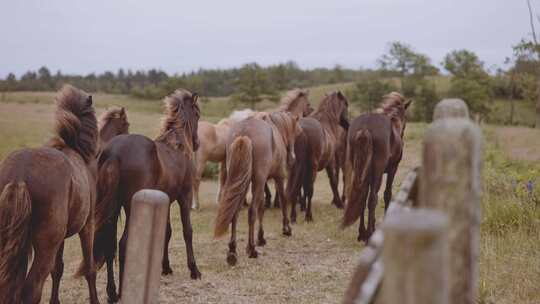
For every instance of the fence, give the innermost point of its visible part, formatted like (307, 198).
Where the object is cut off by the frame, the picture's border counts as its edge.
(426, 250)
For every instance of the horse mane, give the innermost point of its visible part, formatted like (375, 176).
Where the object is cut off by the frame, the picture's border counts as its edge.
(392, 105)
(176, 121)
(107, 116)
(76, 124)
(328, 109)
(288, 101)
(282, 120)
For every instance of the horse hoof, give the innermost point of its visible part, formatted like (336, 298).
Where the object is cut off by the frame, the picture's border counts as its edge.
(309, 219)
(112, 295)
(287, 231)
(261, 242)
(231, 258)
(253, 254)
(196, 275)
(166, 271)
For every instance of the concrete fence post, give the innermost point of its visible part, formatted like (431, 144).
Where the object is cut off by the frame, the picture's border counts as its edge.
(450, 181)
(450, 108)
(145, 243)
(415, 258)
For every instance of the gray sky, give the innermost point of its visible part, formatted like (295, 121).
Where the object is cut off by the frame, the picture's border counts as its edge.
(93, 36)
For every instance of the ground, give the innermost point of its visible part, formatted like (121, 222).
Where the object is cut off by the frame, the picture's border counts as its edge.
(312, 266)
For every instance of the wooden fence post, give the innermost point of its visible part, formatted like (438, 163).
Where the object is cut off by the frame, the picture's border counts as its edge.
(450, 181)
(448, 108)
(148, 218)
(415, 258)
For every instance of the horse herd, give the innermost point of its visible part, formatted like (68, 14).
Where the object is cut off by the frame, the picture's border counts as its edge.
(79, 181)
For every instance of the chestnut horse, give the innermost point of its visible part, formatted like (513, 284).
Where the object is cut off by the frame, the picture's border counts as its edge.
(213, 137)
(130, 163)
(257, 150)
(111, 123)
(375, 147)
(318, 151)
(49, 195)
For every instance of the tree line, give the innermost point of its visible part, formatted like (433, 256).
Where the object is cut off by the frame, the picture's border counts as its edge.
(401, 68)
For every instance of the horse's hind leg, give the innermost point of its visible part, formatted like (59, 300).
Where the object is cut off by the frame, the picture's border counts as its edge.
(45, 250)
(267, 196)
(122, 247)
(87, 244)
(188, 232)
(257, 199)
(222, 179)
(388, 189)
(109, 258)
(373, 198)
(308, 194)
(56, 275)
(280, 191)
(165, 263)
(231, 255)
(331, 171)
(260, 236)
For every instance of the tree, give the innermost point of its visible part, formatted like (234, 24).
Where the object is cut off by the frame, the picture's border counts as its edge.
(535, 46)
(470, 81)
(368, 92)
(252, 85)
(403, 60)
(425, 96)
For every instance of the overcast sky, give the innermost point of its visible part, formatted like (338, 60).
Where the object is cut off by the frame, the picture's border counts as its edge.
(177, 36)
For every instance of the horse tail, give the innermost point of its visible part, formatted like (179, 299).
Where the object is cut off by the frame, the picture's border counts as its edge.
(361, 154)
(106, 211)
(239, 168)
(300, 168)
(15, 241)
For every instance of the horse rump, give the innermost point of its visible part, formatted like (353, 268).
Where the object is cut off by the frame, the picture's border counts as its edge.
(239, 168)
(361, 154)
(15, 241)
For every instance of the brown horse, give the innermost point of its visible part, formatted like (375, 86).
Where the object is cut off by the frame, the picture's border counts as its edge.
(111, 123)
(213, 137)
(257, 150)
(318, 151)
(375, 147)
(130, 163)
(49, 195)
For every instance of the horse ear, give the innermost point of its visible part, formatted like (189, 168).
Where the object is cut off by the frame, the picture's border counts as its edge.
(340, 95)
(408, 103)
(295, 117)
(195, 97)
(122, 111)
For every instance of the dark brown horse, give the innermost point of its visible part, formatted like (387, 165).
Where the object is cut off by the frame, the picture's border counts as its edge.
(257, 150)
(318, 150)
(111, 123)
(49, 195)
(130, 163)
(375, 147)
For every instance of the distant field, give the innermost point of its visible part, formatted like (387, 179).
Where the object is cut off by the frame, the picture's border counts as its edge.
(315, 264)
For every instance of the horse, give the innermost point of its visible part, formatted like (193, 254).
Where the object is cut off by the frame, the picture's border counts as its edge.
(318, 150)
(133, 162)
(49, 195)
(257, 150)
(111, 123)
(212, 137)
(375, 147)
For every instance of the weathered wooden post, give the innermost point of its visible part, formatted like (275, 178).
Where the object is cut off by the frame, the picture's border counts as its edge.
(450, 182)
(448, 108)
(145, 243)
(415, 258)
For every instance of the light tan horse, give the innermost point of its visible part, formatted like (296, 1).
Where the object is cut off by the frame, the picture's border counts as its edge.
(213, 137)
(257, 150)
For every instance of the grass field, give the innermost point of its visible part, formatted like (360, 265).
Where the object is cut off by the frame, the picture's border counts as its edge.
(315, 264)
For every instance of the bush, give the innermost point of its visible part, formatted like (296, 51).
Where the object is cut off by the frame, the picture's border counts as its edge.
(368, 93)
(211, 171)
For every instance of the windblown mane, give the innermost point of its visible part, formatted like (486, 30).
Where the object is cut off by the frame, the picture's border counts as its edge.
(283, 121)
(392, 105)
(328, 109)
(176, 123)
(109, 115)
(76, 124)
(289, 100)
